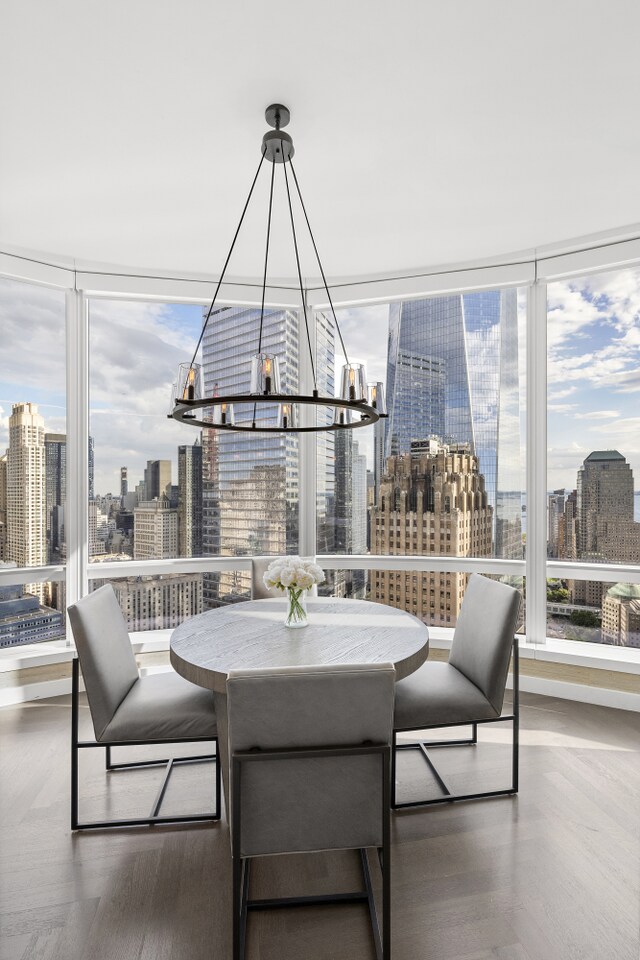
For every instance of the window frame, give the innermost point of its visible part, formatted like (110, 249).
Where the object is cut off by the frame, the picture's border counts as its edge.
(616, 251)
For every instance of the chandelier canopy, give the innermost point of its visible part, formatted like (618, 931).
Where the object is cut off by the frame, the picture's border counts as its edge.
(272, 410)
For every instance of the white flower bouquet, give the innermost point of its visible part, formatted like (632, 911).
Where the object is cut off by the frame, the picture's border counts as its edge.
(295, 576)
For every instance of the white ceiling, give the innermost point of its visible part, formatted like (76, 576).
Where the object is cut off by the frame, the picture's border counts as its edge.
(426, 131)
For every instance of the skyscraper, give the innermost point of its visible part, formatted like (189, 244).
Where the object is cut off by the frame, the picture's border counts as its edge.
(432, 501)
(124, 482)
(158, 603)
(55, 454)
(606, 527)
(155, 531)
(157, 479)
(555, 513)
(452, 372)
(350, 509)
(91, 468)
(3, 507)
(26, 496)
(190, 500)
(250, 488)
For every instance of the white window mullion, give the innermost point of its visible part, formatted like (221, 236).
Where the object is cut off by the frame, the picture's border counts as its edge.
(76, 518)
(536, 549)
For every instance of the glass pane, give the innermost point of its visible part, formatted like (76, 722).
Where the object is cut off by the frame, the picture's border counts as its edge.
(593, 422)
(32, 457)
(444, 474)
(435, 598)
(156, 603)
(594, 612)
(160, 489)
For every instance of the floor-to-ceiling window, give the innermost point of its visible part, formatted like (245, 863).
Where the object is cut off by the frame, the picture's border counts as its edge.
(443, 475)
(33, 463)
(593, 457)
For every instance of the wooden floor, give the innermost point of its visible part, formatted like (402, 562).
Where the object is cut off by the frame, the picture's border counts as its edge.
(554, 873)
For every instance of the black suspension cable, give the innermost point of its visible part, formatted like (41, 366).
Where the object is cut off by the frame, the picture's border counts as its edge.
(266, 256)
(226, 263)
(324, 279)
(302, 296)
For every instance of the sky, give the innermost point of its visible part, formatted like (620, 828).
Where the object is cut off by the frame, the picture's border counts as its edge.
(135, 349)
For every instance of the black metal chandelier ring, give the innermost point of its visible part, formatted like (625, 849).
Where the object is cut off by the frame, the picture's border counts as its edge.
(358, 412)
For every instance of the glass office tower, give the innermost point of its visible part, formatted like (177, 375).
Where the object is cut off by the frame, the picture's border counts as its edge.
(452, 372)
(250, 481)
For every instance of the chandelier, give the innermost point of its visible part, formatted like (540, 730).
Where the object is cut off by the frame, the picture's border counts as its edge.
(359, 404)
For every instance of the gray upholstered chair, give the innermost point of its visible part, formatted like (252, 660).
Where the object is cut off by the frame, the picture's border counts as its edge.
(127, 709)
(469, 689)
(310, 752)
(258, 569)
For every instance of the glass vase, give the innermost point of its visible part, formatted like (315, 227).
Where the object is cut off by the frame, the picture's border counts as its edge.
(296, 608)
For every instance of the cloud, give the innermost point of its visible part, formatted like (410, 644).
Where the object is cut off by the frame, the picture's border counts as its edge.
(597, 415)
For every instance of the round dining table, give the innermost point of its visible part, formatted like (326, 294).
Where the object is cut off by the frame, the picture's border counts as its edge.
(252, 634)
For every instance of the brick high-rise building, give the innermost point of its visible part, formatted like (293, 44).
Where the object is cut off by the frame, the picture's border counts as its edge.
(155, 531)
(159, 603)
(431, 501)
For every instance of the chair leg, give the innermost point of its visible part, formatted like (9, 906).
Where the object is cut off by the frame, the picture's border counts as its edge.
(515, 758)
(448, 797)
(388, 785)
(394, 747)
(74, 743)
(237, 907)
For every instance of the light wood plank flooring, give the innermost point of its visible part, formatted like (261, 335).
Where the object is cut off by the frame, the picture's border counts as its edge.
(552, 874)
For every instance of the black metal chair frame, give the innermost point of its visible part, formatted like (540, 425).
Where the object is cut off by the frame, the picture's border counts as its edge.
(242, 865)
(154, 817)
(424, 746)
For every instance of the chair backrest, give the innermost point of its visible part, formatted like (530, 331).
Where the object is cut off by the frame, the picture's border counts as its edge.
(314, 802)
(483, 637)
(104, 650)
(258, 590)
(258, 569)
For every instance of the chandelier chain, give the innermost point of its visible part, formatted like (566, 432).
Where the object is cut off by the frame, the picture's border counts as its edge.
(302, 296)
(324, 279)
(266, 256)
(226, 263)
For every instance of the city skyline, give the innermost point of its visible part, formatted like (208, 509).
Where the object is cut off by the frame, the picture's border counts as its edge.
(594, 346)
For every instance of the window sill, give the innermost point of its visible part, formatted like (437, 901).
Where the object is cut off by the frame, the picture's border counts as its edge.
(596, 656)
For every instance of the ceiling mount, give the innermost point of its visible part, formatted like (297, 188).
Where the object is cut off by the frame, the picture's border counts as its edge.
(277, 115)
(276, 145)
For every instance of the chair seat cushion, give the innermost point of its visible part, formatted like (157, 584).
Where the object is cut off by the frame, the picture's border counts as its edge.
(163, 706)
(438, 694)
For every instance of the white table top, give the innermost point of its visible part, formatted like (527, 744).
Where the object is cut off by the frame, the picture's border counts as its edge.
(252, 634)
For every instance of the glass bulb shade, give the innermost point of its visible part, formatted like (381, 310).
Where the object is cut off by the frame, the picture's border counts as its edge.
(223, 414)
(375, 397)
(265, 374)
(343, 416)
(189, 382)
(172, 402)
(288, 416)
(353, 382)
